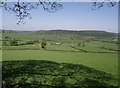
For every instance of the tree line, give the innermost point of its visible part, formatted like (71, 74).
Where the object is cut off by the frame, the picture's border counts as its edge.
(14, 42)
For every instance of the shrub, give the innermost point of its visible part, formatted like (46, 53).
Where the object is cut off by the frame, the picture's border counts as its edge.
(43, 44)
(13, 42)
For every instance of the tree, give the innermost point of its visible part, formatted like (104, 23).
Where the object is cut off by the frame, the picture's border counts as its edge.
(21, 9)
(83, 44)
(6, 39)
(97, 5)
(4, 43)
(43, 44)
(79, 43)
(13, 42)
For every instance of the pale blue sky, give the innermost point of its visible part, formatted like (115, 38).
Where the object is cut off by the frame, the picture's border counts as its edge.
(73, 16)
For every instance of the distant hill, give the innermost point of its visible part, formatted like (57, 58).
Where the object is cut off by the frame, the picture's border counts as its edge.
(9, 31)
(13, 31)
(80, 33)
(68, 32)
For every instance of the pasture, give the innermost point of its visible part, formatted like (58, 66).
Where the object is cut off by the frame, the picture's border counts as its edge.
(104, 62)
(95, 54)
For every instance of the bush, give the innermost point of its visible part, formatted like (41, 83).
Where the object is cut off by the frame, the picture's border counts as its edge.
(13, 42)
(43, 44)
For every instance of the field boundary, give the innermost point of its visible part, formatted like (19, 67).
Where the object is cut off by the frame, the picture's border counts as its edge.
(92, 51)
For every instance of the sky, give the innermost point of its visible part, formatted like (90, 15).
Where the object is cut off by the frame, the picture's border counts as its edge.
(73, 16)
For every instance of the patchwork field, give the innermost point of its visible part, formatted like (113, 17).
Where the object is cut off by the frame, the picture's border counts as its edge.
(67, 50)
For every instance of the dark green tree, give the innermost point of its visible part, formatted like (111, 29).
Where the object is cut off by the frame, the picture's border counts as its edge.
(5, 41)
(13, 42)
(43, 44)
(79, 43)
(7, 38)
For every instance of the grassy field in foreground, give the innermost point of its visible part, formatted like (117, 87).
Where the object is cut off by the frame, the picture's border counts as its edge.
(67, 60)
(48, 74)
(101, 61)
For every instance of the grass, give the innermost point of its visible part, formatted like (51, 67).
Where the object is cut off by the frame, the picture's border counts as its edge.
(22, 47)
(34, 36)
(104, 62)
(47, 74)
(103, 44)
(64, 47)
(96, 46)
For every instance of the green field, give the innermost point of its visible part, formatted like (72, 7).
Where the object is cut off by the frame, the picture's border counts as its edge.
(98, 55)
(104, 62)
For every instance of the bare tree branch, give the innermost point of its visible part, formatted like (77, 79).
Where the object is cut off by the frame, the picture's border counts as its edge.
(97, 5)
(51, 6)
(21, 9)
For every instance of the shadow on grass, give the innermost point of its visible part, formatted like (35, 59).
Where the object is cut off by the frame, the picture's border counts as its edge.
(48, 74)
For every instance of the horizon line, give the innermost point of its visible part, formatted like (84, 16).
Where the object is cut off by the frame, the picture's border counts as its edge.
(61, 29)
